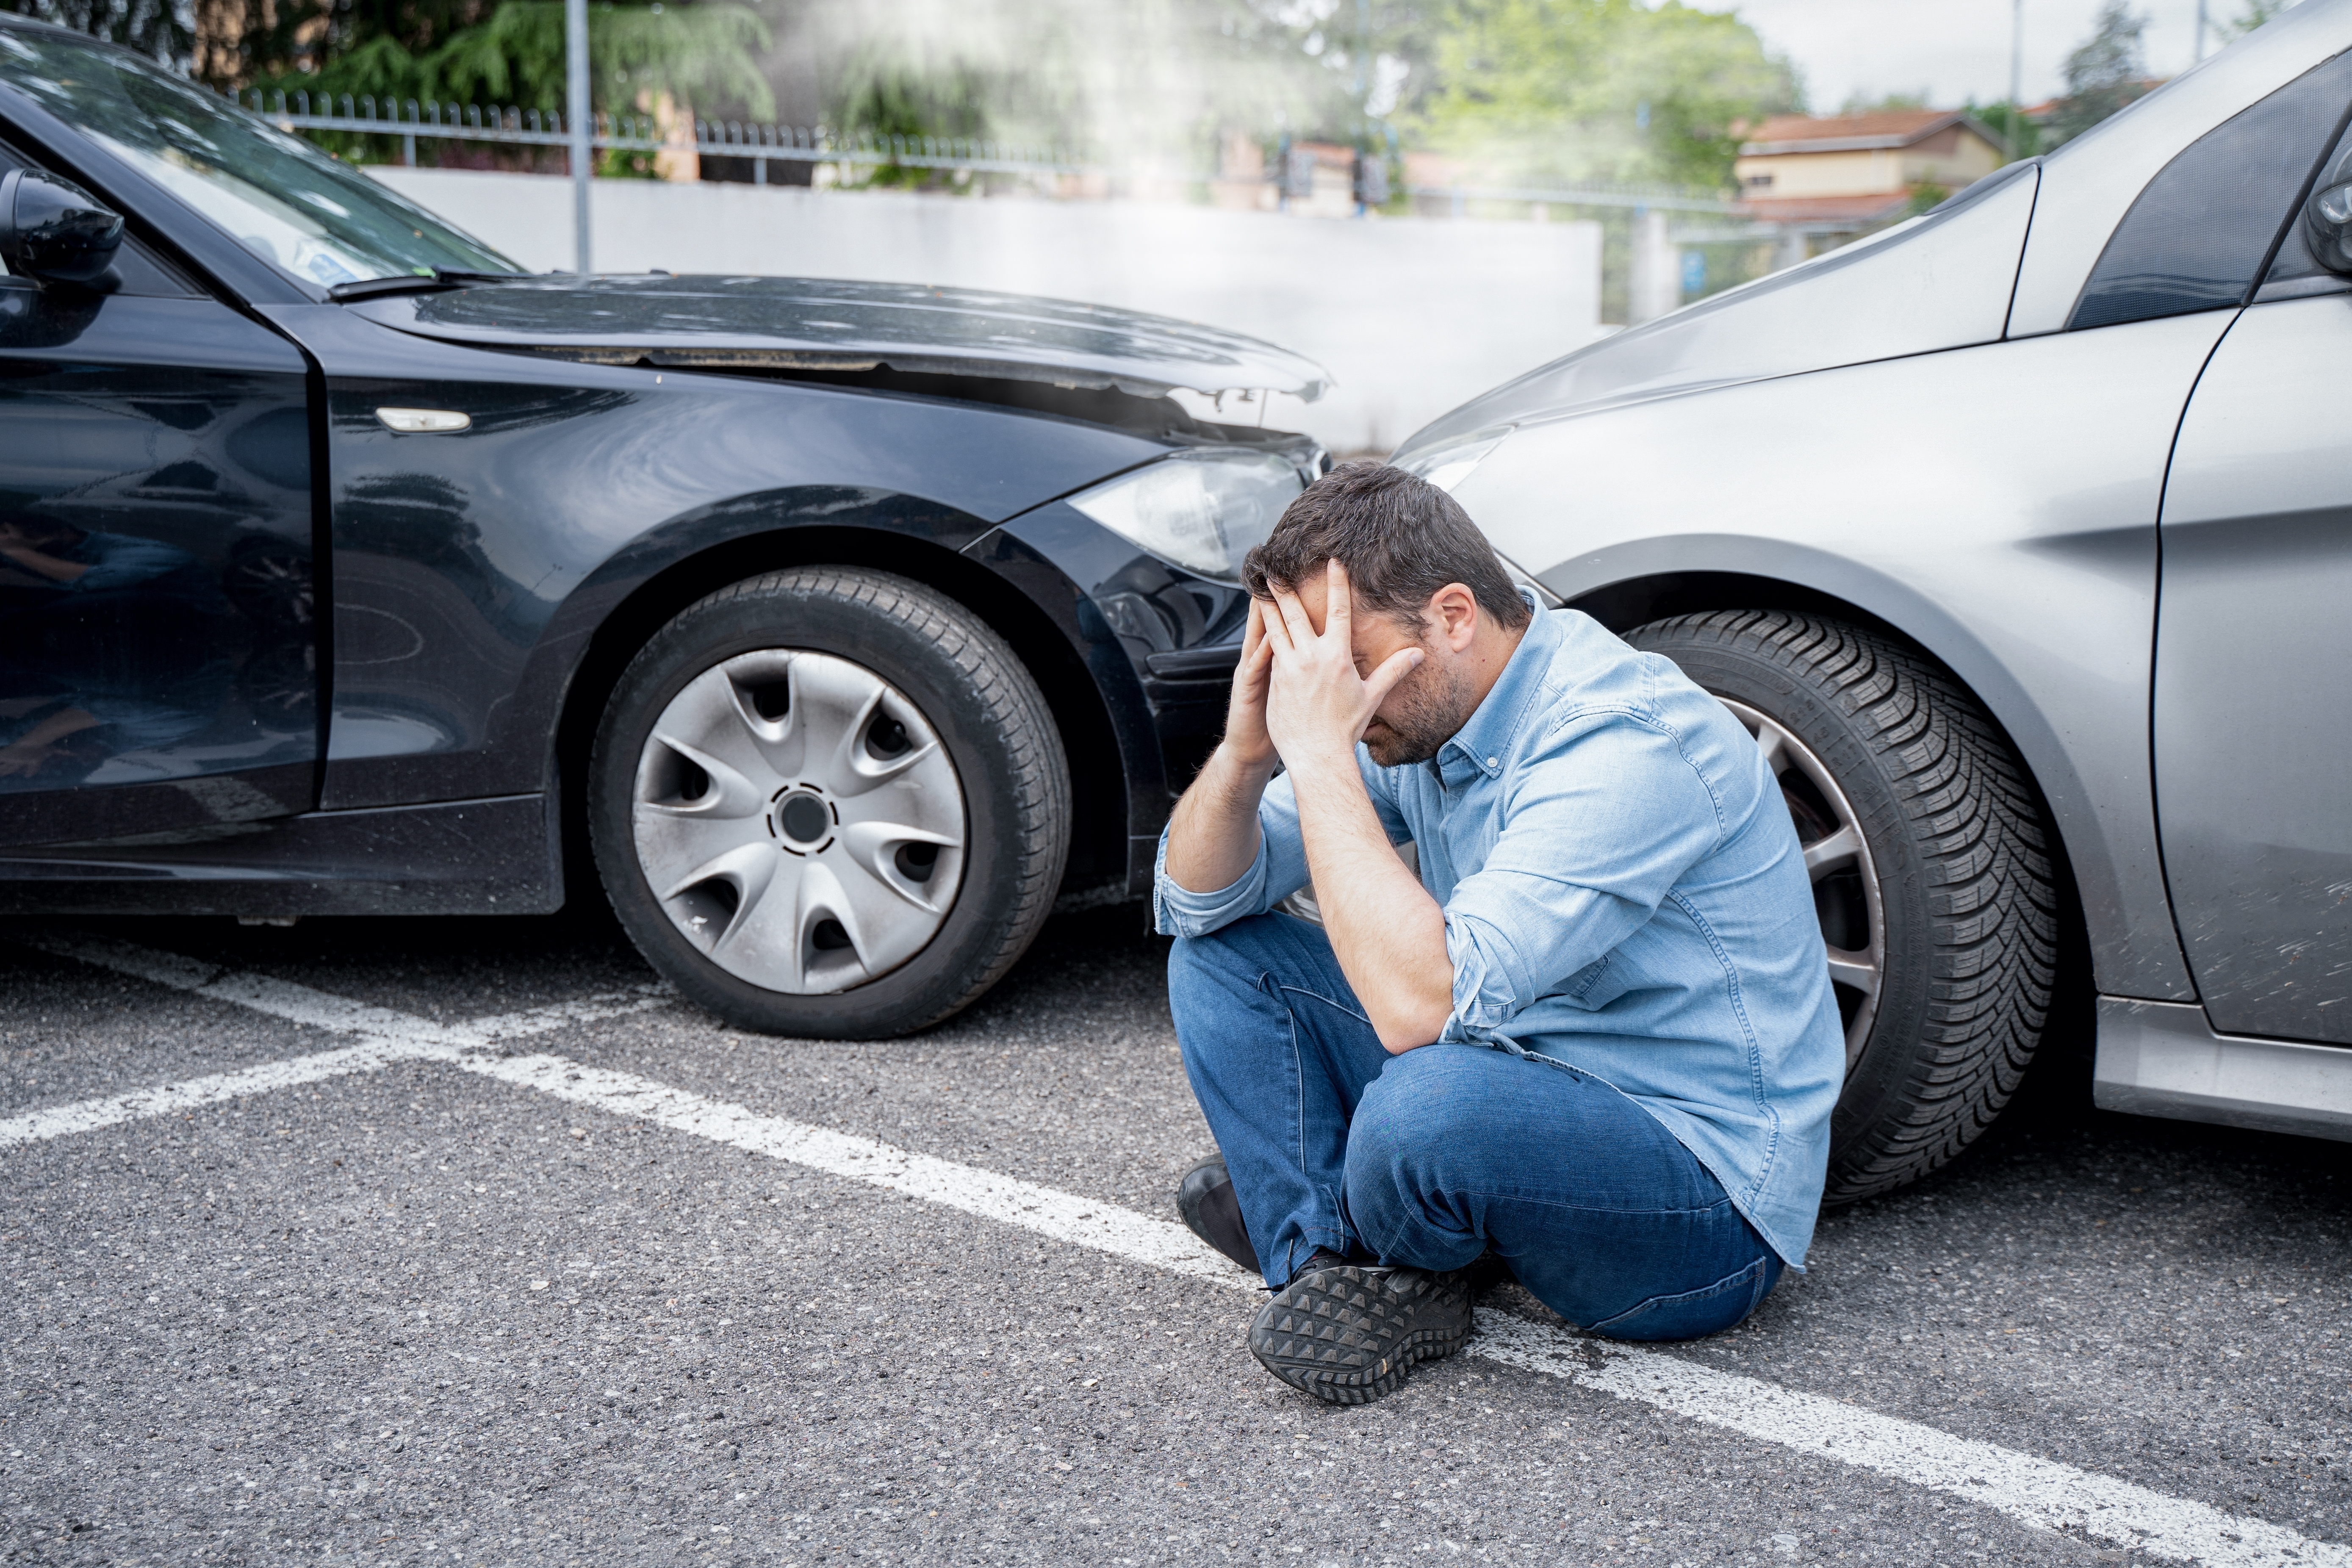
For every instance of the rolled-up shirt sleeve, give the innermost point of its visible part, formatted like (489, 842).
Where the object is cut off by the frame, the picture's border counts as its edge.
(119, 561)
(1601, 821)
(1279, 870)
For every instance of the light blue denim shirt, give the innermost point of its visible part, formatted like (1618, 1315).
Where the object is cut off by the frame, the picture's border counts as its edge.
(1623, 893)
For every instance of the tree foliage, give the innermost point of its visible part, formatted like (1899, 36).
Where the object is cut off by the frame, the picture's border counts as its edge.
(700, 55)
(1863, 103)
(1539, 91)
(2108, 71)
(1532, 90)
(2019, 135)
(2254, 15)
(1143, 80)
(157, 29)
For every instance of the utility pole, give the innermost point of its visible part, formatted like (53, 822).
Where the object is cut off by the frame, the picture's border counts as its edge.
(2200, 29)
(1358, 180)
(2017, 57)
(578, 120)
(2016, 78)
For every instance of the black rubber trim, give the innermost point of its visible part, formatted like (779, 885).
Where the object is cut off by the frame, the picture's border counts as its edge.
(1195, 663)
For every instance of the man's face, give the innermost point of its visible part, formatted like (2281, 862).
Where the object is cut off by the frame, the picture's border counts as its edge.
(1424, 709)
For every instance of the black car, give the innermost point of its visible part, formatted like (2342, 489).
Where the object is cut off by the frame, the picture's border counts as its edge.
(344, 568)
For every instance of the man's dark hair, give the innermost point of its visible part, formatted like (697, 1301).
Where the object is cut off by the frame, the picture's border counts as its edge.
(1401, 538)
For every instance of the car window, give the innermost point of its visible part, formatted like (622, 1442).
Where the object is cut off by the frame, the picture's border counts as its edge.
(2295, 272)
(283, 199)
(2199, 237)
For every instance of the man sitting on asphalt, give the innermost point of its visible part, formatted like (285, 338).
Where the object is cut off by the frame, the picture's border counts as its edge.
(1595, 1035)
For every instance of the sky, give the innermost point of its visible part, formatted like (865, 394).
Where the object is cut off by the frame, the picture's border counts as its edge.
(1953, 49)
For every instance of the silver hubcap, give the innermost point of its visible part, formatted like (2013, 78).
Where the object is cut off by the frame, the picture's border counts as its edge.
(1845, 883)
(799, 821)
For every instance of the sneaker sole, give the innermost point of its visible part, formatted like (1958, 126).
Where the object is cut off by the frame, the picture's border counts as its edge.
(1349, 1335)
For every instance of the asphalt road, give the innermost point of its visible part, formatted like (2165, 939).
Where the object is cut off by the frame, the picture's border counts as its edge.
(424, 1313)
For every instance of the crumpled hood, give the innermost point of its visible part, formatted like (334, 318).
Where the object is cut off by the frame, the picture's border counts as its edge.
(820, 323)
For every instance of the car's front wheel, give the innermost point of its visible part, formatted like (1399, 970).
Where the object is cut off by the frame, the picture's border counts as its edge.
(1931, 875)
(829, 802)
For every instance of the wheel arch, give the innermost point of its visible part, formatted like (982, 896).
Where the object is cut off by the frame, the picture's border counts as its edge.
(1098, 771)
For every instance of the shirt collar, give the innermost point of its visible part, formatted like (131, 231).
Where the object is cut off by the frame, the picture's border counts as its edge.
(1481, 744)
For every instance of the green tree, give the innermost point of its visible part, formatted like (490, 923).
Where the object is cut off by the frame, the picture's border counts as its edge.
(2255, 13)
(882, 98)
(1139, 82)
(2105, 73)
(1885, 102)
(2007, 121)
(157, 29)
(701, 55)
(242, 43)
(1541, 90)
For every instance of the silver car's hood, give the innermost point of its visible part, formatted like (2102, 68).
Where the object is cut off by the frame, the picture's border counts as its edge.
(1966, 273)
(1935, 282)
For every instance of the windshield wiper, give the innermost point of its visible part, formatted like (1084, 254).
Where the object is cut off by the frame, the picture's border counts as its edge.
(442, 277)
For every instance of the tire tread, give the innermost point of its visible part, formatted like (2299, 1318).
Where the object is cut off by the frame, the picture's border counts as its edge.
(1991, 892)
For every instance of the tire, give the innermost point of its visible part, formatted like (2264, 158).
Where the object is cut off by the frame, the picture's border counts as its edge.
(1948, 894)
(829, 802)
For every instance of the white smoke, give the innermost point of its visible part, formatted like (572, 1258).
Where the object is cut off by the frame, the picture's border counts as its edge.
(1145, 85)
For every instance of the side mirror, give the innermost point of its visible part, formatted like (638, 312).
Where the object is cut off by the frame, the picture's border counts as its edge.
(2328, 224)
(54, 230)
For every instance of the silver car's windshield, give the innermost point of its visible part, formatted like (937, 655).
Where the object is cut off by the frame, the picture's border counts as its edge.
(283, 199)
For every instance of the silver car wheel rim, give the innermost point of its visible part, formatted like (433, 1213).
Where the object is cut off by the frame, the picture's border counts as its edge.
(798, 819)
(1834, 848)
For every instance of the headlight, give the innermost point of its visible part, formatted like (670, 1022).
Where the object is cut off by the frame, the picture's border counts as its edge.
(1198, 509)
(1448, 466)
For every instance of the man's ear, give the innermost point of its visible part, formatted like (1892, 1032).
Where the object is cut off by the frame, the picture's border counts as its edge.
(1453, 615)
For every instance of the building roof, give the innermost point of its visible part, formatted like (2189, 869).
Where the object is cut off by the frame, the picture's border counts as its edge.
(2042, 112)
(1855, 132)
(1874, 207)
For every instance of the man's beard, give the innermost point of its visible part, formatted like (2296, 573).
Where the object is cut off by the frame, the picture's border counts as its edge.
(1423, 710)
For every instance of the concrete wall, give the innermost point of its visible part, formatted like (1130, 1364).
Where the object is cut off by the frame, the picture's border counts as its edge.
(1411, 316)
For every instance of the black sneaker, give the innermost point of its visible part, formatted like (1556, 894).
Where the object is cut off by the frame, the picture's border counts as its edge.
(1205, 1200)
(1349, 1333)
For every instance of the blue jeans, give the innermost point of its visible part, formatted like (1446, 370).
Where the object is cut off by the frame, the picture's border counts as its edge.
(1430, 1158)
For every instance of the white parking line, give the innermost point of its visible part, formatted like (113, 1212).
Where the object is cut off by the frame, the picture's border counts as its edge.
(89, 1115)
(388, 1035)
(2039, 1492)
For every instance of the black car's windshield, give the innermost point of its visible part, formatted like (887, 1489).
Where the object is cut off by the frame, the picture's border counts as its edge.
(286, 200)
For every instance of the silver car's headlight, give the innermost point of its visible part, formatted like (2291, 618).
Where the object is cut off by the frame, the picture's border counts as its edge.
(1200, 510)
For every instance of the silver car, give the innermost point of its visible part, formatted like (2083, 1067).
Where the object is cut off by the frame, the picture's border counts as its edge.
(2020, 536)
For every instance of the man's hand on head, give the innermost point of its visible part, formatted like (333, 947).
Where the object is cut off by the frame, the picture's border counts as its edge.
(1307, 694)
(1318, 702)
(1245, 735)
(1213, 837)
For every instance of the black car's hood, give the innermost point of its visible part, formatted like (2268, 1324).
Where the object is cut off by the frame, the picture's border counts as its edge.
(821, 323)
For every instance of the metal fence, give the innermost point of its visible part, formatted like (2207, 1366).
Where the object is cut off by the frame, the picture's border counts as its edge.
(762, 144)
